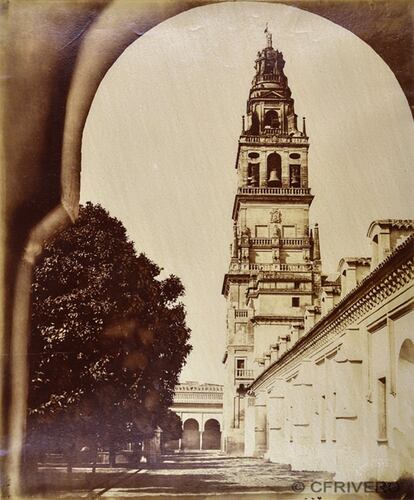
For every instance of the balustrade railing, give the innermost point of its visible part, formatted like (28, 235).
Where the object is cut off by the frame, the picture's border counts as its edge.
(237, 267)
(268, 78)
(261, 242)
(291, 242)
(295, 267)
(263, 267)
(243, 373)
(294, 242)
(240, 313)
(280, 267)
(273, 138)
(271, 131)
(271, 190)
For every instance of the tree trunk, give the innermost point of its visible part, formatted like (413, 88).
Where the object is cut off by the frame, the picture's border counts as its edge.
(31, 458)
(69, 467)
(94, 459)
(70, 460)
(112, 455)
(137, 454)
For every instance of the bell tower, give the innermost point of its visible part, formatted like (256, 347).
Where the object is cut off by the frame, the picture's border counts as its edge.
(275, 269)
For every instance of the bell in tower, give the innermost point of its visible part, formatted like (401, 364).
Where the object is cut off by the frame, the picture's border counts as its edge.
(274, 170)
(295, 176)
(274, 180)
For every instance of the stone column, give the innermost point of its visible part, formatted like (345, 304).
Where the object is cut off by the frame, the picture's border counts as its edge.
(263, 171)
(285, 168)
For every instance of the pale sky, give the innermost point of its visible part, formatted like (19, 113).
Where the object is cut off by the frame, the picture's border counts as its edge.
(160, 143)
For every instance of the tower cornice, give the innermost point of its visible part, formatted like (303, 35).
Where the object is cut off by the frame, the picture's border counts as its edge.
(271, 195)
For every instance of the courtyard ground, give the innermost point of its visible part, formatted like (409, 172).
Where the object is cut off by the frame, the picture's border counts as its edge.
(187, 475)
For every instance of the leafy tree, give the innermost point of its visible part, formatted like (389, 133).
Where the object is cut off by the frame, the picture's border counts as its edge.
(171, 426)
(109, 337)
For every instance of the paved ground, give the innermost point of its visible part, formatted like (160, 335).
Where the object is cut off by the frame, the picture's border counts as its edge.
(187, 475)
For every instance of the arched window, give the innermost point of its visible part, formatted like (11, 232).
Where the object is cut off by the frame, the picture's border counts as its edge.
(274, 170)
(253, 174)
(294, 171)
(191, 425)
(271, 119)
(212, 425)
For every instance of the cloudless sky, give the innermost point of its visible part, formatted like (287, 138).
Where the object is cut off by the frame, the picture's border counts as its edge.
(160, 143)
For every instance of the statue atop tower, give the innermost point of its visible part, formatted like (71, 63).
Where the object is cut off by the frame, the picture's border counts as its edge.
(268, 36)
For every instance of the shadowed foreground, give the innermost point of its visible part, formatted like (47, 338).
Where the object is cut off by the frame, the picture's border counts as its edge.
(184, 474)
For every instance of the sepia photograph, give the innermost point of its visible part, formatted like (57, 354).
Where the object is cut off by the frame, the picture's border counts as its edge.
(207, 249)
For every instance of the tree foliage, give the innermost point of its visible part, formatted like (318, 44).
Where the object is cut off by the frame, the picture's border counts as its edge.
(109, 336)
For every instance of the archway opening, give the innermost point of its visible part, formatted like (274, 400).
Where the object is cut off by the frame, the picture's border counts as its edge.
(274, 170)
(271, 120)
(405, 388)
(191, 435)
(211, 435)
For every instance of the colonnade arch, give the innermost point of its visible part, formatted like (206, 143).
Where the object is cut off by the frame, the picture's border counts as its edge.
(197, 436)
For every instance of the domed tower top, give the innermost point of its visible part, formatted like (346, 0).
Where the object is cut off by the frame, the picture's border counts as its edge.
(269, 69)
(270, 107)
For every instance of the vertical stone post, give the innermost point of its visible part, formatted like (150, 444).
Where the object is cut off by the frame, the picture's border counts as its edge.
(274, 352)
(249, 426)
(285, 168)
(153, 448)
(304, 170)
(276, 414)
(260, 425)
(349, 401)
(384, 244)
(302, 417)
(263, 171)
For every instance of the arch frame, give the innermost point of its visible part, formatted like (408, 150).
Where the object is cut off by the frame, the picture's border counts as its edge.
(15, 341)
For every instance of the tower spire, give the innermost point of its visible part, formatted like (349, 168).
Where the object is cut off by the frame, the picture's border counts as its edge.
(268, 36)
